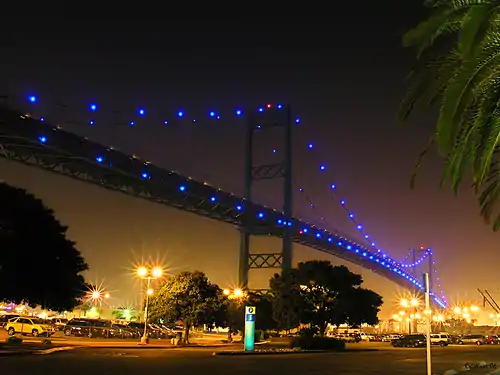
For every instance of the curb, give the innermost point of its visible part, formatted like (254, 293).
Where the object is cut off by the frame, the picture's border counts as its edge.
(55, 350)
(242, 353)
(17, 353)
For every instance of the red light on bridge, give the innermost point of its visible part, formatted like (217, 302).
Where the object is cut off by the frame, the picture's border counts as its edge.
(269, 106)
(422, 247)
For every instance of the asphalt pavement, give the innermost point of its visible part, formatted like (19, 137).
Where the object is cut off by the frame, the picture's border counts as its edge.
(381, 359)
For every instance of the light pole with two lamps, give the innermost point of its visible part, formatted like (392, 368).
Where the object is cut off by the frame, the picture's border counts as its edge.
(413, 305)
(148, 274)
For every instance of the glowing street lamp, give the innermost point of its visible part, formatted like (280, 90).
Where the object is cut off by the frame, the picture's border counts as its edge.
(414, 302)
(404, 303)
(148, 274)
(234, 293)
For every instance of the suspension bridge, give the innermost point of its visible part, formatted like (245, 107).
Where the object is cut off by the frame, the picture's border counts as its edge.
(29, 138)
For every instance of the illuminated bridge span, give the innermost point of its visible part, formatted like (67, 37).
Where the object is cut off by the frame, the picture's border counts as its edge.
(35, 142)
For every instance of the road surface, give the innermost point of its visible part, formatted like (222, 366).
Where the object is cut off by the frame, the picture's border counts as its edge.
(101, 361)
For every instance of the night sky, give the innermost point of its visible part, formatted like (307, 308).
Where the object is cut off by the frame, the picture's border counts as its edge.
(343, 75)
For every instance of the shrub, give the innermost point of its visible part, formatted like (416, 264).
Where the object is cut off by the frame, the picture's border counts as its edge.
(258, 336)
(317, 343)
(14, 340)
(309, 332)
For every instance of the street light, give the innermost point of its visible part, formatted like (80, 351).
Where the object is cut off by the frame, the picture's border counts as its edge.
(234, 293)
(148, 274)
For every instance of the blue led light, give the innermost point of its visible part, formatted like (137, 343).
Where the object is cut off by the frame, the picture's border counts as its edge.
(99, 159)
(332, 186)
(274, 150)
(212, 114)
(182, 188)
(93, 107)
(322, 167)
(213, 199)
(42, 139)
(144, 175)
(261, 109)
(239, 208)
(141, 111)
(238, 112)
(218, 117)
(42, 119)
(310, 146)
(297, 120)
(165, 122)
(32, 98)
(91, 122)
(180, 114)
(280, 106)
(131, 123)
(260, 215)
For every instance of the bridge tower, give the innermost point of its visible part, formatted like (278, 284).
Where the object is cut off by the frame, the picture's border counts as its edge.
(268, 118)
(416, 254)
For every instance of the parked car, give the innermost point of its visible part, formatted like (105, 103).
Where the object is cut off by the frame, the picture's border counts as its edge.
(78, 327)
(58, 323)
(408, 341)
(492, 340)
(6, 317)
(441, 339)
(472, 339)
(29, 326)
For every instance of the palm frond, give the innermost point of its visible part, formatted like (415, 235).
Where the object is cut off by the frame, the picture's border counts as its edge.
(420, 160)
(475, 26)
(489, 197)
(459, 94)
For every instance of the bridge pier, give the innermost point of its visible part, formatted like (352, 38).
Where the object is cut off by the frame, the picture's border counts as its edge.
(276, 117)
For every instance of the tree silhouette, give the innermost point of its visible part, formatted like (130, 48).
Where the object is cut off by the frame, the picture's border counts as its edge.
(188, 297)
(318, 293)
(264, 312)
(39, 265)
(287, 300)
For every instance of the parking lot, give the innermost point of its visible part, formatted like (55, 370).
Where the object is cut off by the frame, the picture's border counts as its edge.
(363, 358)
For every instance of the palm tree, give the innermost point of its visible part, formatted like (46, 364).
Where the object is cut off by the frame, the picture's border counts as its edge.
(458, 55)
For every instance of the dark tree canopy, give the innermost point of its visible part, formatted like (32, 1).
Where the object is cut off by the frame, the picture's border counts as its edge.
(318, 293)
(264, 312)
(39, 265)
(286, 299)
(188, 297)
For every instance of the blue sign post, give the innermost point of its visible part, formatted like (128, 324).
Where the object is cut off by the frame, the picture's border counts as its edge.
(249, 328)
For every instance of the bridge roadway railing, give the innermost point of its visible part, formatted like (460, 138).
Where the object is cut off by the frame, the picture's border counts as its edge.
(36, 143)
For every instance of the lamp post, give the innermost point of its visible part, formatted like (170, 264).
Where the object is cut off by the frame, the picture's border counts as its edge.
(148, 274)
(411, 304)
